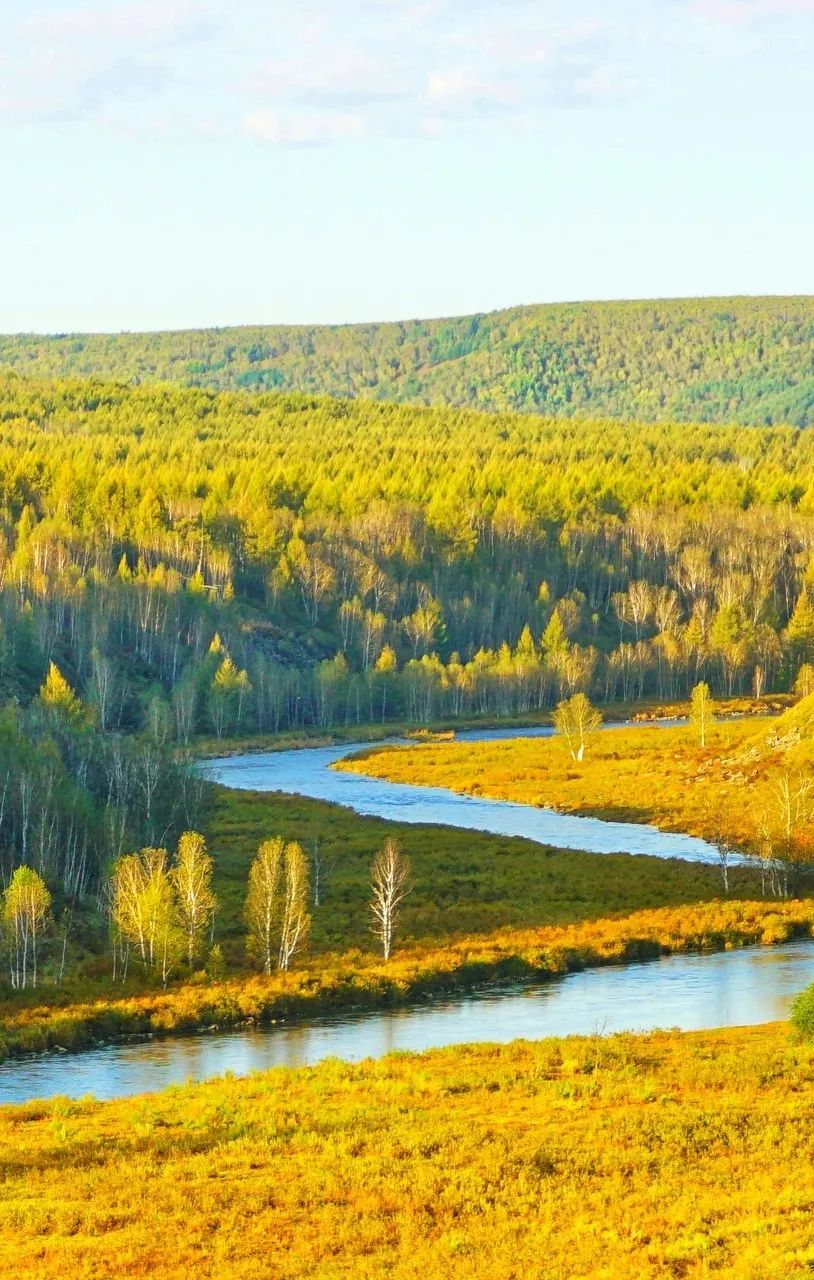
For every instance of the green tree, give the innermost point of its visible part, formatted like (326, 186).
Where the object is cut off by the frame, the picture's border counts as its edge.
(227, 696)
(555, 640)
(800, 631)
(385, 670)
(731, 638)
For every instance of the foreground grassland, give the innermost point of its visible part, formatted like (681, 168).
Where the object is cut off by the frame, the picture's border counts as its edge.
(355, 980)
(654, 775)
(584, 1159)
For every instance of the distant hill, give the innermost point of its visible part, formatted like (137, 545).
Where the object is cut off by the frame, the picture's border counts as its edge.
(747, 360)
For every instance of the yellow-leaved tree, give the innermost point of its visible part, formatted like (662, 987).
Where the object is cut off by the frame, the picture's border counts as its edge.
(143, 909)
(276, 908)
(56, 695)
(195, 903)
(702, 711)
(26, 911)
(577, 720)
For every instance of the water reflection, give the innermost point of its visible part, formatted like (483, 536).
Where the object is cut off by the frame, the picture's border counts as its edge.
(691, 992)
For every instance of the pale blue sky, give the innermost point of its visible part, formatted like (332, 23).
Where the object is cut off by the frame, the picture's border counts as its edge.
(172, 163)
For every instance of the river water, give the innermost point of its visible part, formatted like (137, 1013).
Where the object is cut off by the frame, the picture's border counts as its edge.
(688, 991)
(309, 773)
(731, 988)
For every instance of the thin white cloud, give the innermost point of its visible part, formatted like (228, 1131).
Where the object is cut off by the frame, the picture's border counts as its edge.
(344, 77)
(460, 89)
(307, 72)
(302, 129)
(142, 21)
(741, 11)
(84, 62)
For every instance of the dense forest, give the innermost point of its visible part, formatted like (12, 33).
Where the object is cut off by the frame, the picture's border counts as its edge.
(176, 562)
(748, 360)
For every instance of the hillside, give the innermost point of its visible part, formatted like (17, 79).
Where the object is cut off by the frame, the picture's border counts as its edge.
(747, 360)
(421, 564)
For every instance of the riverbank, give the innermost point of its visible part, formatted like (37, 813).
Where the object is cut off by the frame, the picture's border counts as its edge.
(465, 883)
(209, 748)
(647, 711)
(664, 779)
(356, 981)
(680, 1155)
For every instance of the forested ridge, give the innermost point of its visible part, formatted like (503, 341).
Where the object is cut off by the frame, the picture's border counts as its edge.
(748, 360)
(177, 562)
(155, 527)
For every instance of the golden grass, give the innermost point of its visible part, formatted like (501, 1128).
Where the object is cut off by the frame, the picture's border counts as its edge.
(654, 775)
(631, 1158)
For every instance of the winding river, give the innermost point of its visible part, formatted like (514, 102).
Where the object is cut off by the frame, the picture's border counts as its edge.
(686, 991)
(731, 988)
(309, 773)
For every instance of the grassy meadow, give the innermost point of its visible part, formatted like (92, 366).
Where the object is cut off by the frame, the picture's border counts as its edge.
(465, 882)
(659, 775)
(640, 1157)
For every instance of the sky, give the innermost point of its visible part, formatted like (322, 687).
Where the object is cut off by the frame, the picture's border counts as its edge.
(185, 163)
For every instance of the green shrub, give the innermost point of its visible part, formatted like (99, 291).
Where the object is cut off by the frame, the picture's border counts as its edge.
(802, 1013)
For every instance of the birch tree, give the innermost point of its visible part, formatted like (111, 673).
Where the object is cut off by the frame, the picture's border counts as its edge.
(277, 904)
(295, 921)
(195, 903)
(262, 908)
(26, 908)
(783, 820)
(390, 884)
(702, 711)
(143, 911)
(103, 686)
(322, 865)
(577, 720)
(719, 821)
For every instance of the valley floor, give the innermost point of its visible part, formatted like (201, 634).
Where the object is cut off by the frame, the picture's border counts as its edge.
(470, 891)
